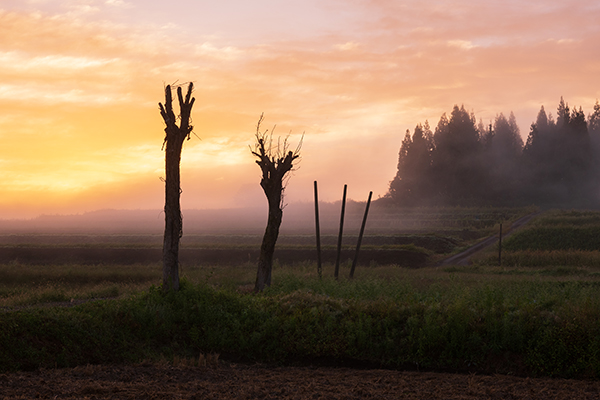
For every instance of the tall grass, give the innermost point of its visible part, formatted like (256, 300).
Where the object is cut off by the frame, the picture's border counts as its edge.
(569, 239)
(539, 258)
(550, 238)
(24, 284)
(570, 218)
(473, 318)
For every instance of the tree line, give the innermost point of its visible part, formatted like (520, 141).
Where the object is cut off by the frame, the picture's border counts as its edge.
(463, 162)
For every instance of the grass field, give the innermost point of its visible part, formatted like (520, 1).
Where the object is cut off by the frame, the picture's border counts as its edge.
(475, 318)
(519, 319)
(556, 238)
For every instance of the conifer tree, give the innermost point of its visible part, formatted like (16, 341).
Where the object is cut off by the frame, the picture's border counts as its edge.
(502, 151)
(594, 120)
(457, 164)
(397, 188)
(411, 183)
(563, 115)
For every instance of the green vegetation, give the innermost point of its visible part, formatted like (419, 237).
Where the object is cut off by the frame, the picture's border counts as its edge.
(475, 318)
(554, 238)
(536, 315)
(22, 284)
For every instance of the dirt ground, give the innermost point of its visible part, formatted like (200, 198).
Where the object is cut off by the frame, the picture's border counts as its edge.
(231, 381)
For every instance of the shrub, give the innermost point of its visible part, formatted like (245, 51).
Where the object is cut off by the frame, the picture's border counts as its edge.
(457, 328)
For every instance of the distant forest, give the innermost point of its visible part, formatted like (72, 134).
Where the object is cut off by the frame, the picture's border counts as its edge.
(465, 163)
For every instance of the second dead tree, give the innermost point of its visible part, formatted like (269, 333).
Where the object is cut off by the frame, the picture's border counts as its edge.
(275, 163)
(175, 135)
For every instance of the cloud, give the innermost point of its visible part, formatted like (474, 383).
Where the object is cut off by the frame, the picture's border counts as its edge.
(462, 44)
(51, 94)
(118, 3)
(83, 89)
(347, 46)
(19, 61)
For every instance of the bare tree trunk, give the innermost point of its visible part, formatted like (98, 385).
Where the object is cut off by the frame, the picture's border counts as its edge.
(275, 163)
(173, 217)
(267, 248)
(175, 135)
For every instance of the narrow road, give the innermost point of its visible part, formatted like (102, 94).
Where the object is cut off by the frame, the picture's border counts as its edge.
(463, 257)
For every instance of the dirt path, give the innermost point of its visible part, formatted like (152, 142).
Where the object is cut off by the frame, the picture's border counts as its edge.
(463, 257)
(230, 381)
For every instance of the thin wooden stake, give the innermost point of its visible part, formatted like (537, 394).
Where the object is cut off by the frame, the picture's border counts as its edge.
(360, 236)
(318, 231)
(500, 247)
(339, 246)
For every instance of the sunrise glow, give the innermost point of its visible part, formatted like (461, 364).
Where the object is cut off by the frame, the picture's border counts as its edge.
(80, 82)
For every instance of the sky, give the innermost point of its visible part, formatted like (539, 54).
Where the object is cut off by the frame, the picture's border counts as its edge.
(80, 83)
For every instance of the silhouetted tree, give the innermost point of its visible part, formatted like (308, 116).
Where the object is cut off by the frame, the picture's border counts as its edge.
(398, 187)
(594, 132)
(457, 164)
(486, 135)
(540, 170)
(275, 162)
(540, 137)
(411, 185)
(594, 120)
(575, 156)
(558, 158)
(507, 143)
(404, 149)
(173, 144)
(419, 161)
(503, 146)
(562, 112)
(467, 163)
(577, 123)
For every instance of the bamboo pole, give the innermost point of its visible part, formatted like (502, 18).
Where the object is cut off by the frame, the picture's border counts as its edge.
(339, 245)
(318, 233)
(360, 236)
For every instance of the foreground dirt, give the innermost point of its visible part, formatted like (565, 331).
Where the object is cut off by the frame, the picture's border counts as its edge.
(154, 381)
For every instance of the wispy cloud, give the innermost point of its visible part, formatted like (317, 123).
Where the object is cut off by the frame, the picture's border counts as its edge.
(95, 70)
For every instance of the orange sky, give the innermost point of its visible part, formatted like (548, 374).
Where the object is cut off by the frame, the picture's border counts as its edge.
(80, 81)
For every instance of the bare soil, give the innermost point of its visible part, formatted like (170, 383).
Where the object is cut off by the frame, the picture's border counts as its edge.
(231, 381)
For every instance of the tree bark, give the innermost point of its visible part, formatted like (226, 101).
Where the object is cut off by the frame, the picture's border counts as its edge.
(267, 248)
(175, 135)
(173, 217)
(274, 165)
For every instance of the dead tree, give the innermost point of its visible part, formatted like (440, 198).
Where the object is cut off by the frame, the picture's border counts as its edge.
(275, 162)
(173, 144)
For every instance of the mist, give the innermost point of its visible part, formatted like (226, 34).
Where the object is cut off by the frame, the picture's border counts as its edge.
(465, 163)
(298, 219)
